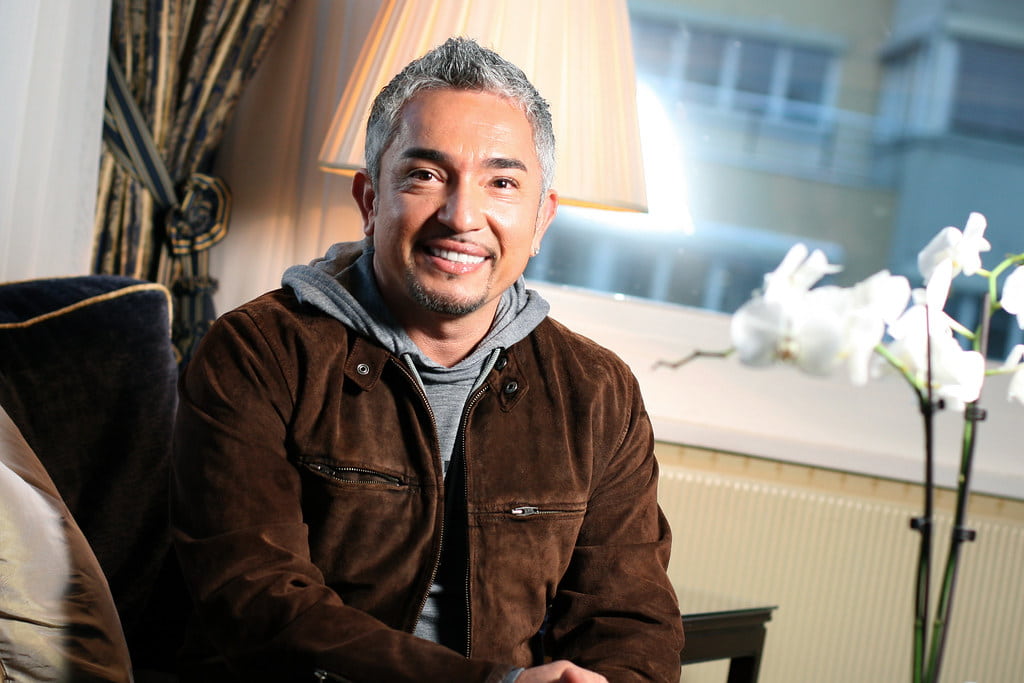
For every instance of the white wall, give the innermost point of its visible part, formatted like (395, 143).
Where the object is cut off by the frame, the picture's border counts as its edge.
(52, 72)
(284, 209)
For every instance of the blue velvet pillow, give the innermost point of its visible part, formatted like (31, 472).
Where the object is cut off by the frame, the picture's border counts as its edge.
(88, 374)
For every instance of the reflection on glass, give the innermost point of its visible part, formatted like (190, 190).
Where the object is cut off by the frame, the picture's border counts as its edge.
(805, 87)
(857, 128)
(705, 61)
(989, 96)
(757, 61)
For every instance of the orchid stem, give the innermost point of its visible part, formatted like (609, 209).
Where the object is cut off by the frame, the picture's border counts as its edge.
(923, 524)
(958, 535)
(674, 364)
(922, 587)
(885, 353)
(972, 415)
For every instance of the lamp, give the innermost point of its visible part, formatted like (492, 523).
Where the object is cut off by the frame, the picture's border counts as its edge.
(576, 52)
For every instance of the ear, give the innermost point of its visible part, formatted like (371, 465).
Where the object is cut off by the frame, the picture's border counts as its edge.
(366, 197)
(545, 214)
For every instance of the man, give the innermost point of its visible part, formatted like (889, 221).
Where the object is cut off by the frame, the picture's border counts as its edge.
(396, 467)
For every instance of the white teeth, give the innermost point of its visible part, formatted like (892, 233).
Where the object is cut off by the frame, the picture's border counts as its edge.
(457, 257)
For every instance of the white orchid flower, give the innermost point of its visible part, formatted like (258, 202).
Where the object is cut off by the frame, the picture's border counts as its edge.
(782, 323)
(798, 272)
(957, 375)
(817, 330)
(802, 330)
(1016, 390)
(961, 249)
(934, 297)
(876, 303)
(1013, 295)
(939, 284)
(883, 294)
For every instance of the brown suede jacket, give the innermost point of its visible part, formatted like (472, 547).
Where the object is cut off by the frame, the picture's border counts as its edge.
(308, 504)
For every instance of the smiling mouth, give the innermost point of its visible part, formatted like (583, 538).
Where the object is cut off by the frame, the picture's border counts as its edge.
(455, 256)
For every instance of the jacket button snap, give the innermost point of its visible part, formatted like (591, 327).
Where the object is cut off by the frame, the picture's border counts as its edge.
(363, 369)
(511, 387)
(501, 363)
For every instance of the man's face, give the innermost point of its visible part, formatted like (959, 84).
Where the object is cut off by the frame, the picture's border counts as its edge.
(458, 206)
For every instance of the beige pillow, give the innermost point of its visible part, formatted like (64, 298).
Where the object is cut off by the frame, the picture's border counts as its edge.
(57, 618)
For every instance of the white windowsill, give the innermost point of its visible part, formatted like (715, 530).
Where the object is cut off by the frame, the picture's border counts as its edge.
(779, 413)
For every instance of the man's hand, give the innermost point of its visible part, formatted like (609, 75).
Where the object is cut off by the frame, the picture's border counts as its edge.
(561, 671)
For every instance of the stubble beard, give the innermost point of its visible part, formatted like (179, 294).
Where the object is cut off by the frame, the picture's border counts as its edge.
(439, 303)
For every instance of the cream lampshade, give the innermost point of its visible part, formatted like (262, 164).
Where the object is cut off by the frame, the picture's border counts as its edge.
(576, 52)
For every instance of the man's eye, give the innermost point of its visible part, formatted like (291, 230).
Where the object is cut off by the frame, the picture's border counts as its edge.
(505, 183)
(422, 174)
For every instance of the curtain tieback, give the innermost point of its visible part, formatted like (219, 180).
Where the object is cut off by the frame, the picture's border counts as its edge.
(202, 218)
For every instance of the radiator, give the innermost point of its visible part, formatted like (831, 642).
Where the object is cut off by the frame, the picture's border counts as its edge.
(841, 570)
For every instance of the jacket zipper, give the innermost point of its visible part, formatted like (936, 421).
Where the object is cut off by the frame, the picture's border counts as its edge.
(335, 472)
(470, 404)
(531, 510)
(437, 458)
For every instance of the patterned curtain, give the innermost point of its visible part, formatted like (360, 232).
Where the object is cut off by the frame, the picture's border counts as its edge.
(177, 69)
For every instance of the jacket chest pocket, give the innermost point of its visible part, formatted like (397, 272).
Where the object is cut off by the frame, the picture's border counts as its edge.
(365, 522)
(353, 475)
(357, 504)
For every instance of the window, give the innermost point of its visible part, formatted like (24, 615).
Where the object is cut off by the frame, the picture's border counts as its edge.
(737, 71)
(848, 136)
(805, 89)
(704, 65)
(654, 54)
(988, 100)
(757, 62)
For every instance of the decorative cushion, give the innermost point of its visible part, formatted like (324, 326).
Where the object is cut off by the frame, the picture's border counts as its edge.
(88, 374)
(57, 617)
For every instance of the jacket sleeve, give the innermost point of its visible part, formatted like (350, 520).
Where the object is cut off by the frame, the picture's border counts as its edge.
(615, 611)
(241, 538)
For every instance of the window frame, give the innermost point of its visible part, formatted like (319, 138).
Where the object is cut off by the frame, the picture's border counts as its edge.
(724, 98)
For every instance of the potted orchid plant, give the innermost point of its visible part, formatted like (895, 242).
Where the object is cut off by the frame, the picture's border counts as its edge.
(882, 325)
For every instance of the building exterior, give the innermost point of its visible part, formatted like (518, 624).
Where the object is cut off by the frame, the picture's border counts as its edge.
(858, 128)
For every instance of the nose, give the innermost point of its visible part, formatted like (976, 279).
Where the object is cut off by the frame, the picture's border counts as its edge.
(463, 209)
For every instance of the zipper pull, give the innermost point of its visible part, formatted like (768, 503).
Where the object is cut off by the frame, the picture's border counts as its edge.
(525, 511)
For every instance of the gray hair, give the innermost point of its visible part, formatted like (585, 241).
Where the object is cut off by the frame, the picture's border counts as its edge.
(459, 64)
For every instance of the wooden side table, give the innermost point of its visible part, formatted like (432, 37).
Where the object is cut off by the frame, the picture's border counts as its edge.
(719, 627)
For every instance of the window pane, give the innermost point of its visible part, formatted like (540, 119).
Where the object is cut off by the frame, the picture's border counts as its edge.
(989, 99)
(806, 87)
(704, 57)
(652, 46)
(754, 81)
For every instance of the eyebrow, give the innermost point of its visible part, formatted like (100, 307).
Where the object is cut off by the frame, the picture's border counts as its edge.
(440, 157)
